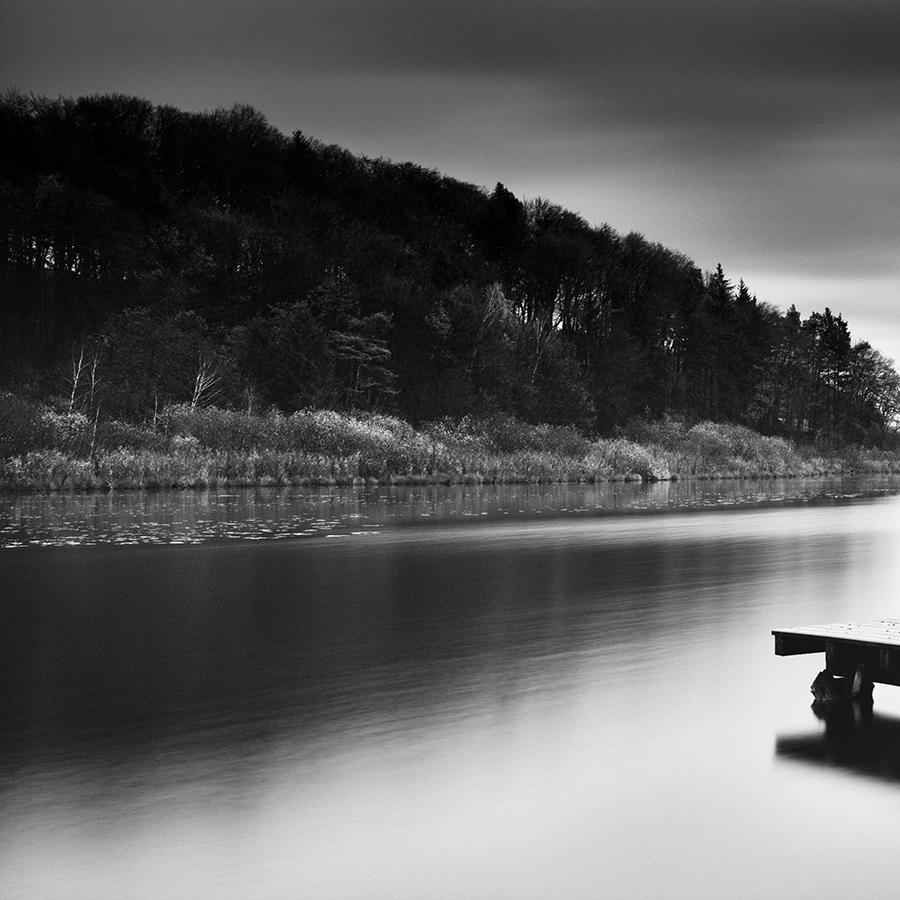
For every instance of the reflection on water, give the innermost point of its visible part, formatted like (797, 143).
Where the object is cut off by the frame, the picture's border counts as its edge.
(853, 739)
(546, 704)
(194, 517)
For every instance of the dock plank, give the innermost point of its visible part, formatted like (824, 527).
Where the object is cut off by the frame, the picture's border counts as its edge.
(880, 631)
(846, 645)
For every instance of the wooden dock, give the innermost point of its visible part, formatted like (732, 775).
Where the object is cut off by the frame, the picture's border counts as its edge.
(869, 647)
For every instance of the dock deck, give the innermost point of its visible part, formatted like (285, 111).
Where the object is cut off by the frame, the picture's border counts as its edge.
(875, 645)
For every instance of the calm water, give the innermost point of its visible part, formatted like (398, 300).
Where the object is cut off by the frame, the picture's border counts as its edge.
(527, 692)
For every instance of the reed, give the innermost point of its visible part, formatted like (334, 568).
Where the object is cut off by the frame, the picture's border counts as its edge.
(47, 449)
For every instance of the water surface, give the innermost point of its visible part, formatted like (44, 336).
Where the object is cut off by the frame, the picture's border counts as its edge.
(129, 518)
(553, 699)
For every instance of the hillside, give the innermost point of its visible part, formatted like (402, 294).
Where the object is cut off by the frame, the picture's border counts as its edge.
(154, 257)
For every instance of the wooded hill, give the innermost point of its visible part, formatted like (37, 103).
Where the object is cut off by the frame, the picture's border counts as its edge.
(153, 256)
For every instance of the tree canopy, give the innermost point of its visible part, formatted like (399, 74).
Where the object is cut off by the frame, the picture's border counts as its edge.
(290, 273)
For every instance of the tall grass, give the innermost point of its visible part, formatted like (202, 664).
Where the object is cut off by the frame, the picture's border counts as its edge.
(46, 449)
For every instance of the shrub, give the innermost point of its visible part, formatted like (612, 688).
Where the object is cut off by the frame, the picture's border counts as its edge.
(21, 428)
(115, 434)
(667, 432)
(46, 448)
(217, 429)
(70, 432)
(49, 470)
(621, 458)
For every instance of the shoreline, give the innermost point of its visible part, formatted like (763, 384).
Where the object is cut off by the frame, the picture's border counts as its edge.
(197, 448)
(155, 484)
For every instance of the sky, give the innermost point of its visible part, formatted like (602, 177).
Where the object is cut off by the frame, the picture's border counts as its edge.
(761, 135)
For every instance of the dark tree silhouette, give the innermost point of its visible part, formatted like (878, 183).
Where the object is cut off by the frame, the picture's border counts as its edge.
(209, 245)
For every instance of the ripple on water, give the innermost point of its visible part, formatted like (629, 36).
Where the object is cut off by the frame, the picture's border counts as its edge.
(186, 517)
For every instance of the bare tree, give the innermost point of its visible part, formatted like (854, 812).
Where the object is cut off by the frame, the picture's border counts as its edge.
(205, 381)
(95, 360)
(83, 368)
(78, 368)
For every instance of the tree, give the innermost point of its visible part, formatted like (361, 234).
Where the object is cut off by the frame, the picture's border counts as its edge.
(872, 396)
(151, 360)
(362, 363)
(284, 354)
(334, 279)
(829, 361)
(503, 226)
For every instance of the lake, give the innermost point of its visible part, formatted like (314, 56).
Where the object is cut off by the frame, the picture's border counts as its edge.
(523, 691)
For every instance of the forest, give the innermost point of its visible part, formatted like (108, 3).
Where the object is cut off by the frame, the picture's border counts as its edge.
(154, 257)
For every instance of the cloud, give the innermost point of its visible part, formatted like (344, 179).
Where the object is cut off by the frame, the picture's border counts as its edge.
(722, 71)
(763, 135)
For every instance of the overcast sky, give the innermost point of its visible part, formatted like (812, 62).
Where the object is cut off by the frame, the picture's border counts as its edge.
(764, 135)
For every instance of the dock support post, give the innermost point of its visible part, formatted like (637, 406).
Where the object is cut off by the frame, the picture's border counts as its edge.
(862, 687)
(827, 689)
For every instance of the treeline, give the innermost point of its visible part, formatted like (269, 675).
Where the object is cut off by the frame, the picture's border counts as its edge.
(152, 256)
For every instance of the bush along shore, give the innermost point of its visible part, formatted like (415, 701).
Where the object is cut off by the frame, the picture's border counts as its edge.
(43, 449)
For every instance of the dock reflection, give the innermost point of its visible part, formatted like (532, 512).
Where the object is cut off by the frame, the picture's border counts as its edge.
(854, 739)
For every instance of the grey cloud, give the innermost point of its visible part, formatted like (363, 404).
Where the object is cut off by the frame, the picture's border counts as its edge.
(646, 40)
(772, 121)
(725, 68)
